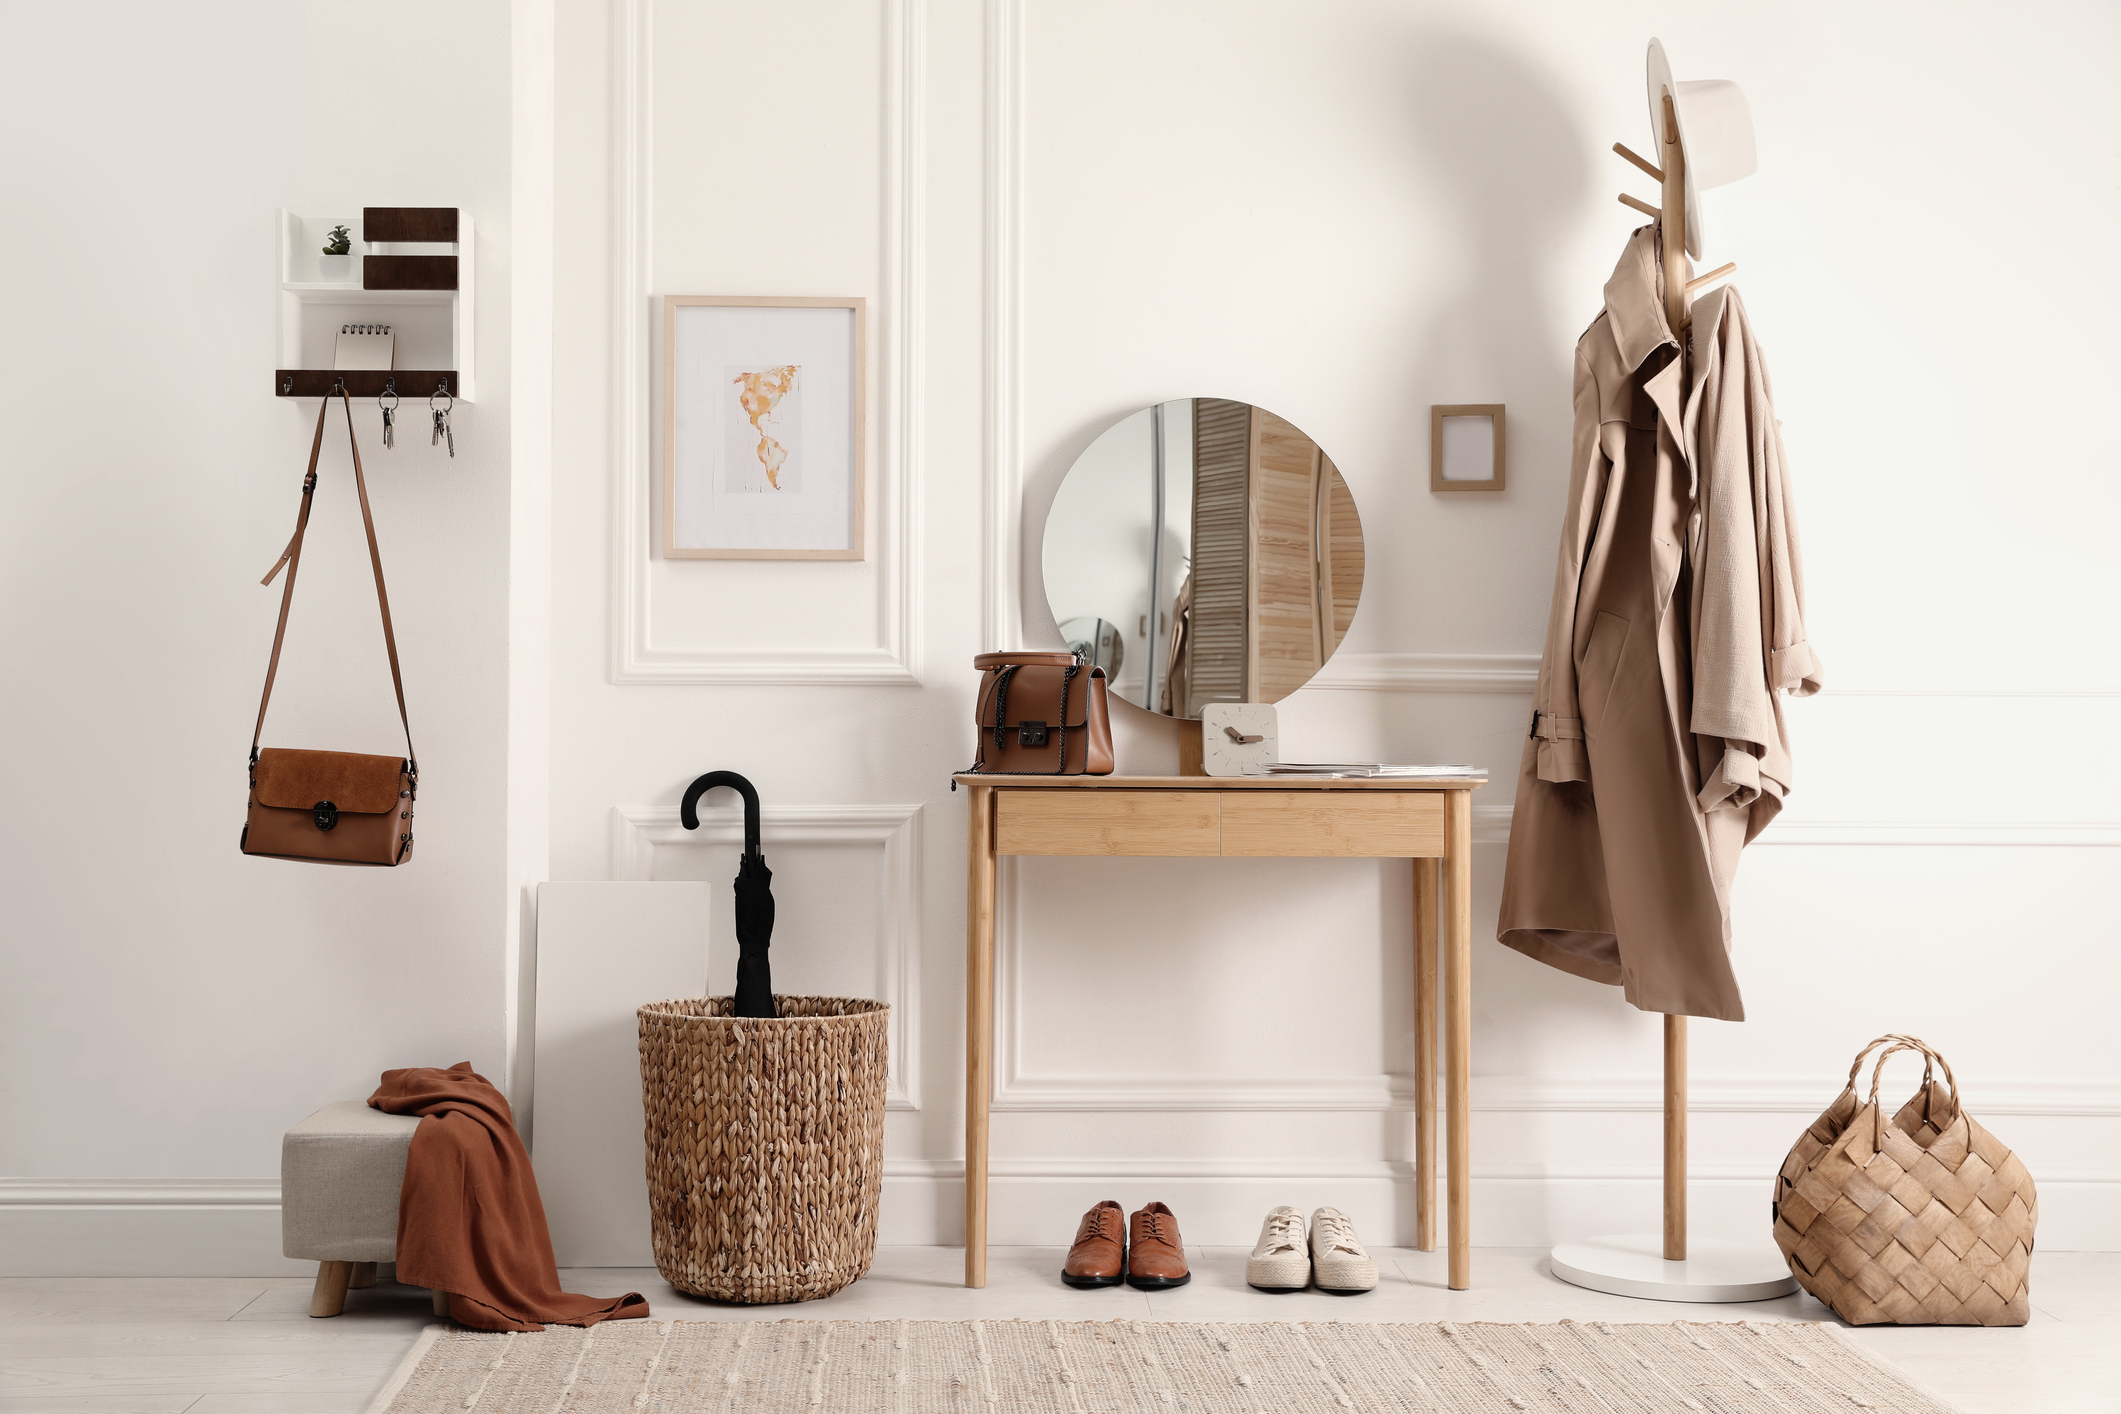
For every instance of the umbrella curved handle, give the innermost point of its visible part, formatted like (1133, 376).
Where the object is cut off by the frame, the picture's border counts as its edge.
(689, 812)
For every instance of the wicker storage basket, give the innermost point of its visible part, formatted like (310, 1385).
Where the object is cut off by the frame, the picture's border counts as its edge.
(1923, 1220)
(765, 1144)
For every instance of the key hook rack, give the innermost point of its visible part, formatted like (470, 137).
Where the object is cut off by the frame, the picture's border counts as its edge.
(413, 268)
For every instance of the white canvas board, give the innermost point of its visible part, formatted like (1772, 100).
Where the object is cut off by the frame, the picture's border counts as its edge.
(1469, 448)
(604, 950)
(764, 429)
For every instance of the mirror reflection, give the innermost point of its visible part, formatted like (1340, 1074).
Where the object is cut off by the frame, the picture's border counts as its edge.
(1203, 550)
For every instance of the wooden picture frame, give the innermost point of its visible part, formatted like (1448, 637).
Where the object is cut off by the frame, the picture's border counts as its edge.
(715, 476)
(1437, 413)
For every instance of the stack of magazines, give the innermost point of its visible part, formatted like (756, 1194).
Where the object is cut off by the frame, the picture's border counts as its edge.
(1367, 768)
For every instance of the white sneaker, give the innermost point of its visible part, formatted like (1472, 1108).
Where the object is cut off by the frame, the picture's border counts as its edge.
(1279, 1261)
(1338, 1258)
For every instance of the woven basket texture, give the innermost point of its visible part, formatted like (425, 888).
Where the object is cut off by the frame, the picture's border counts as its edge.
(765, 1144)
(1926, 1219)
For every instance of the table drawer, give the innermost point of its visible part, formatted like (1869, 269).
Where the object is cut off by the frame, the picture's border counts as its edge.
(1107, 822)
(1364, 824)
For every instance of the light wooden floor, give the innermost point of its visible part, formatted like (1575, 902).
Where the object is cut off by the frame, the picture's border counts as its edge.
(224, 1345)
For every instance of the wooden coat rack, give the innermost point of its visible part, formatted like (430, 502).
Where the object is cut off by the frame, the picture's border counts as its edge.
(1670, 215)
(1627, 1265)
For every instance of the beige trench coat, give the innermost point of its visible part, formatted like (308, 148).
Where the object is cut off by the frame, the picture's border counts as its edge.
(1657, 747)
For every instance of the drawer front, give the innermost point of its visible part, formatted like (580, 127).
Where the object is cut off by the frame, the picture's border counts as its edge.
(1363, 824)
(1108, 822)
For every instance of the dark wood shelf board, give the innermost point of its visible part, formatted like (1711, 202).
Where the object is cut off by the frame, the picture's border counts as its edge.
(409, 272)
(361, 383)
(409, 223)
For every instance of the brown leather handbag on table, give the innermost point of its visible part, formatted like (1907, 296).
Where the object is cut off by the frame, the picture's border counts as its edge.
(1041, 714)
(330, 807)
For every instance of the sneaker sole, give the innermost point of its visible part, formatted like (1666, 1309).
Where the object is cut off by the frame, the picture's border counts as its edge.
(1086, 1283)
(1157, 1283)
(1278, 1273)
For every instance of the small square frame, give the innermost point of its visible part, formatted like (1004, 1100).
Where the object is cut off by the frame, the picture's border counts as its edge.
(1437, 413)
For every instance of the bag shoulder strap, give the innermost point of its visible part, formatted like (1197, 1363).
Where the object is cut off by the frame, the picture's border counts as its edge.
(291, 557)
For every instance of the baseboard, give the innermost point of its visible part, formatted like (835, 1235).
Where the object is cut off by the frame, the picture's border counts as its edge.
(1038, 1203)
(224, 1227)
(112, 1227)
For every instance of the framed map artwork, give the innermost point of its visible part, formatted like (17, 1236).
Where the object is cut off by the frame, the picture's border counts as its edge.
(763, 427)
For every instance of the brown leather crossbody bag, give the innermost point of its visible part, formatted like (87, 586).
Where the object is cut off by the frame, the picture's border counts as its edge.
(1041, 714)
(330, 807)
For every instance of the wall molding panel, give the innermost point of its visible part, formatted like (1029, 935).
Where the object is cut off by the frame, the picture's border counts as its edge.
(636, 835)
(1001, 608)
(1429, 672)
(1508, 1094)
(637, 657)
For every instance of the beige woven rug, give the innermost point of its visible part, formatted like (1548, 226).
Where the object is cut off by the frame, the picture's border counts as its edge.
(1091, 1367)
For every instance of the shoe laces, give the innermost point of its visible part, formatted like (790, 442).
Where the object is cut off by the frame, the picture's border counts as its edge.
(1337, 1231)
(1156, 1231)
(1285, 1230)
(1096, 1223)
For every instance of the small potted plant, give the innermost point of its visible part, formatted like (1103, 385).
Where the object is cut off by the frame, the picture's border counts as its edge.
(336, 263)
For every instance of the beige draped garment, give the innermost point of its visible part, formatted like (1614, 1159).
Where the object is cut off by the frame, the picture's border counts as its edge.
(1657, 747)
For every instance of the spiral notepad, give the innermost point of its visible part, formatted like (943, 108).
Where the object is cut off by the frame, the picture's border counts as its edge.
(366, 346)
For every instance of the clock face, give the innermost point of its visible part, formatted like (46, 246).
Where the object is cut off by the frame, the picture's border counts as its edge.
(1222, 723)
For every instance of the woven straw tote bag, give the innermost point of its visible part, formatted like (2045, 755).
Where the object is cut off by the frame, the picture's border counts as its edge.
(1925, 1219)
(765, 1144)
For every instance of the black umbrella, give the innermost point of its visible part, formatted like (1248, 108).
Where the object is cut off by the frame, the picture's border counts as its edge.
(754, 895)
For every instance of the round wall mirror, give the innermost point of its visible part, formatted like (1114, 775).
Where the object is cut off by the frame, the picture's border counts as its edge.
(1203, 551)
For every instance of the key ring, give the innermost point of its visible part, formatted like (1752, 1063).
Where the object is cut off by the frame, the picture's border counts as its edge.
(441, 391)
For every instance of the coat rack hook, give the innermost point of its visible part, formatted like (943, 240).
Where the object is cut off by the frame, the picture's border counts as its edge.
(1656, 172)
(338, 387)
(1728, 268)
(287, 387)
(1643, 206)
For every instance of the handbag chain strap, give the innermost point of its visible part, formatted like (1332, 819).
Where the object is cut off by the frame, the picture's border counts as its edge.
(291, 557)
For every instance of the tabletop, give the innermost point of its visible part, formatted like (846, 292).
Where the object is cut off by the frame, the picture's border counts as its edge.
(995, 778)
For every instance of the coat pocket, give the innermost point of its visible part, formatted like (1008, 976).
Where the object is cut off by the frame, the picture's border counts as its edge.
(1601, 661)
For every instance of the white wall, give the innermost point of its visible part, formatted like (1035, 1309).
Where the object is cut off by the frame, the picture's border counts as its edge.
(168, 1006)
(1061, 214)
(1066, 213)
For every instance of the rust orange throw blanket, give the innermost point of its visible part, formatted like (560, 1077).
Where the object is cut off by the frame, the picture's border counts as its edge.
(469, 1219)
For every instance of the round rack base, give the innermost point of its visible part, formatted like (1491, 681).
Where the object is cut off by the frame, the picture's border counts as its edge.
(1634, 1265)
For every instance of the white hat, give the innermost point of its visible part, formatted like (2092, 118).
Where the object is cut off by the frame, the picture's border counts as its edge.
(1715, 134)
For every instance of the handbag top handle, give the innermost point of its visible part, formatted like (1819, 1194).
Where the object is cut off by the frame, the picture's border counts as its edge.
(291, 557)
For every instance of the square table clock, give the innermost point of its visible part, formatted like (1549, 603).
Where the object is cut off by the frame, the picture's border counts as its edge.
(1238, 738)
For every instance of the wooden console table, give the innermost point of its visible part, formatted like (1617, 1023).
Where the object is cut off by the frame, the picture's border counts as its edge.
(1429, 821)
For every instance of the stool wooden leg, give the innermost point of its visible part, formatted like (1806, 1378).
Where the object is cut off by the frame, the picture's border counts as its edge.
(329, 1298)
(364, 1274)
(441, 1300)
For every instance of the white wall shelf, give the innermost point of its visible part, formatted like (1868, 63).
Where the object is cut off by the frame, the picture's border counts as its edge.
(429, 248)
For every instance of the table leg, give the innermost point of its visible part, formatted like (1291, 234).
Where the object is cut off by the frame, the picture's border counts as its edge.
(1425, 889)
(1458, 1026)
(979, 1021)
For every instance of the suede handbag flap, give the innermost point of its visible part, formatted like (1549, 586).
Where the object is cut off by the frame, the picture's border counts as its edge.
(298, 780)
(1034, 695)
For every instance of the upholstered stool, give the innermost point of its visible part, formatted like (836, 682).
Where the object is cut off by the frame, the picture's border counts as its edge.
(340, 1172)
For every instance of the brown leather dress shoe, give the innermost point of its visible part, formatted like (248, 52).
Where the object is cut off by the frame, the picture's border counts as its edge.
(1100, 1250)
(1155, 1257)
